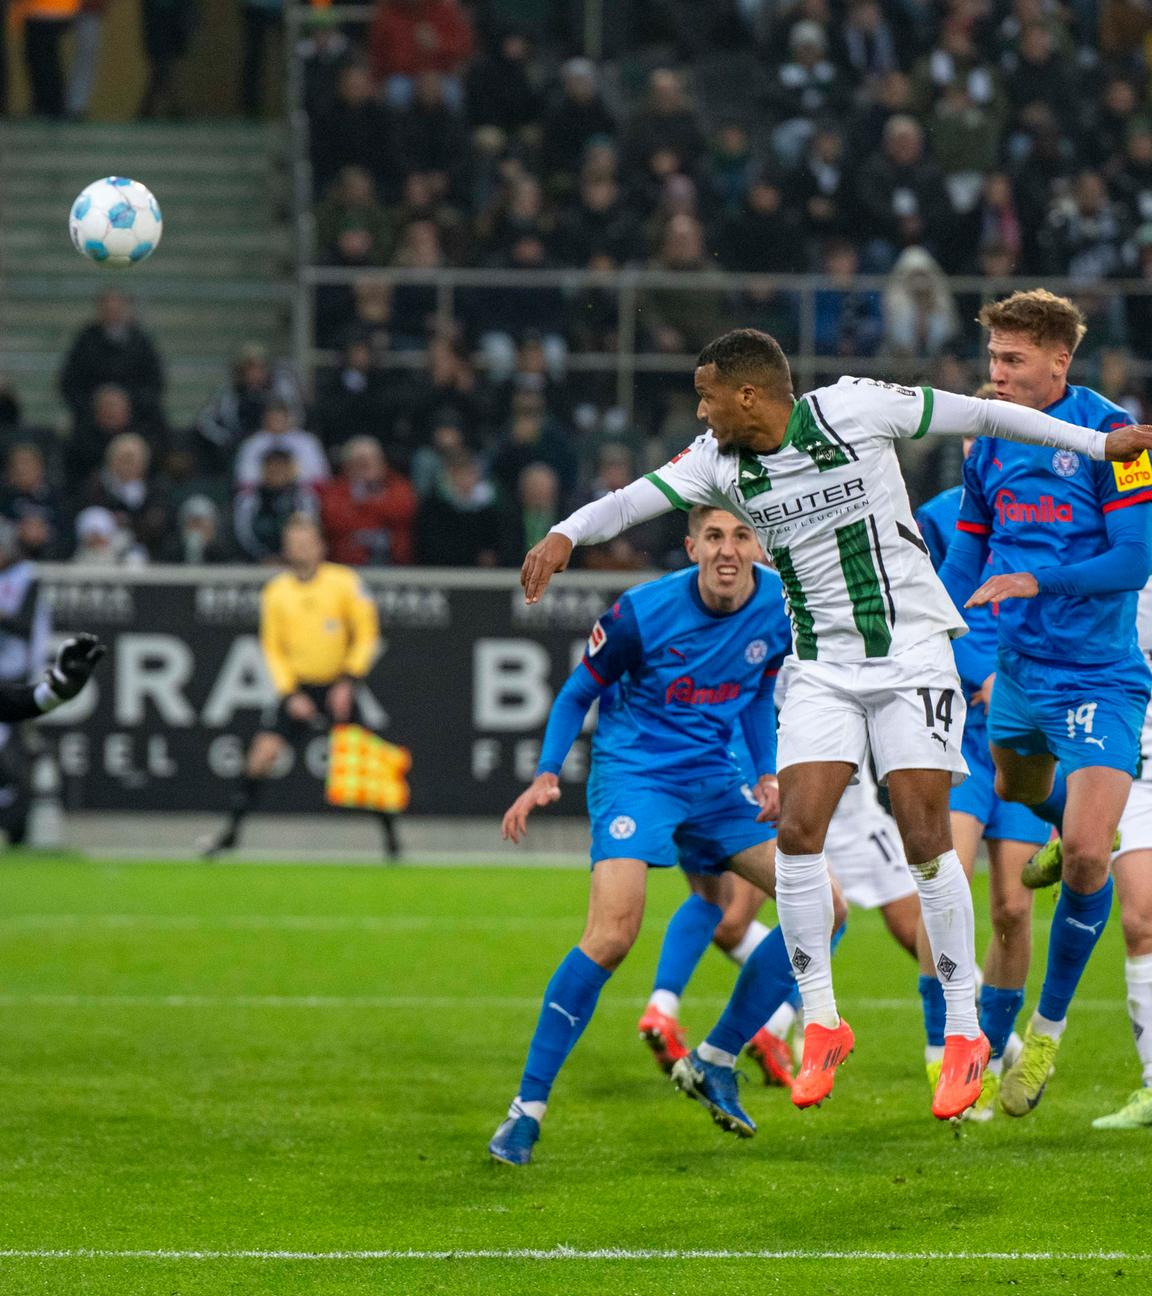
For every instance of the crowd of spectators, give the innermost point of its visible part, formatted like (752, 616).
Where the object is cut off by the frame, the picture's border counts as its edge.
(905, 139)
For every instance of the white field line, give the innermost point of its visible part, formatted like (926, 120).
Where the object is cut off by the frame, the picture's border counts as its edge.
(277, 922)
(576, 1254)
(416, 1002)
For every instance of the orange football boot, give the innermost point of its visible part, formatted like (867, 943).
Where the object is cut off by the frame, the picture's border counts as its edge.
(663, 1036)
(774, 1057)
(960, 1075)
(824, 1050)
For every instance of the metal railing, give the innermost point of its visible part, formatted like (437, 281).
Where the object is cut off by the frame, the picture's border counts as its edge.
(630, 356)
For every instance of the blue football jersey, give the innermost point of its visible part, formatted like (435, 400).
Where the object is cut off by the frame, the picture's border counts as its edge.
(682, 673)
(1044, 508)
(937, 522)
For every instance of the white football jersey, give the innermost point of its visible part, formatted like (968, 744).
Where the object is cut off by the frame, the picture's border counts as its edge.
(831, 510)
(1144, 637)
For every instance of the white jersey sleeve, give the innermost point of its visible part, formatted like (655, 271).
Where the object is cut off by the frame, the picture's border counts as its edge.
(605, 518)
(970, 416)
(889, 408)
(694, 476)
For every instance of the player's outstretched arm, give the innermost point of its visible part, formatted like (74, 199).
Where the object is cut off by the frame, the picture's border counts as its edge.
(970, 416)
(601, 520)
(543, 790)
(77, 659)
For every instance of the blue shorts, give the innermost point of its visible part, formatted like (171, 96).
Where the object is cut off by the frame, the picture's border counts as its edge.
(1002, 820)
(698, 825)
(1083, 715)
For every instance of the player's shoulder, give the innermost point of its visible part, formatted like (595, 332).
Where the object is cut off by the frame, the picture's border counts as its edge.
(670, 589)
(1094, 410)
(279, 585)
(337, 574)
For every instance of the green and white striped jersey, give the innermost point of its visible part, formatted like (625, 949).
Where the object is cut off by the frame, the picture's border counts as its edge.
(831, 510)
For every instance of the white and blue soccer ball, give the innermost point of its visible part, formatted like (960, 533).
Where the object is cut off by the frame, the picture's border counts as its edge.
(115, 222)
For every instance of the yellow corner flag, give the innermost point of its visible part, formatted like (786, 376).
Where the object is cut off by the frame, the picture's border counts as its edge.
(365, 772)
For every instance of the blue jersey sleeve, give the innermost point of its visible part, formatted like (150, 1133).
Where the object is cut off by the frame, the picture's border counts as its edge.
(1123, 566)
(613, 648)
(758, 722)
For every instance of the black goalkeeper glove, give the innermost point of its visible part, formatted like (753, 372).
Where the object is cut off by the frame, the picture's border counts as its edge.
(77, 659)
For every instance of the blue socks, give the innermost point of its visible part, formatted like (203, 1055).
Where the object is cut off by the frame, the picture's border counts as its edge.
(998, 1012)
(765, 981)
(935, 1011)
(1051, 810)
(688, 935)
(569, 1002)
(1076, 927)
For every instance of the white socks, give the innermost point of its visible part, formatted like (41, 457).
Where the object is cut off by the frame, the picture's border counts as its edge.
(520, 1108)
(666, 1002)
(804, 907)
(752, 937)
(716, 1056)
(1043, 1026)
(946, 906)
(1138, 974)
(780, 1023)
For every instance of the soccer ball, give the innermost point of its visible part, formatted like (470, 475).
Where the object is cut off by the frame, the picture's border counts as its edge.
(115, 222)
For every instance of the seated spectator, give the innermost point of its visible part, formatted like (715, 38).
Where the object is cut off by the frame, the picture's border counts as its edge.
(765, 236)
(28, 501)
(368, 510)
(732, 167)
(462, 522)
(352, 400)
(432, 137)
(411, 38)
(538, 504)
(535, 372)
(502, 317)
(111, 414)
(532, 437)
(648, 545)
(113, 349)
(966, 141)
(864, 133)
(450, 389)
(901, 195)
(920, 316)
(1038, 73)
(666, 120)
(1132, 178)
(807, 86)
(598, 224)
(1087, 236)
(446, 442)
(501, 91)
(414, 304)
(197, 539)
(820, 189)
(102, 542)
(423, 199)
(848, 319)
(237, 409)
(574, 121)
(1115, 117)
(869, 44)
(996, 219)
(278, 432)
(679, 321)
(324, 51)
(355, 131)
(519, 212)
(352, 209)
(123, 487)
(261, 512)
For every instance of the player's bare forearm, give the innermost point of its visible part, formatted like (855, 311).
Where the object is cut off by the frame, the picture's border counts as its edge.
(543, 790)
(1010, 585)
(1128, 443)
(542, 562)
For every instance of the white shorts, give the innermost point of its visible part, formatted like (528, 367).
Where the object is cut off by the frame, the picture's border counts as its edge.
(1136, 821)
(864, 851)
(909, 709)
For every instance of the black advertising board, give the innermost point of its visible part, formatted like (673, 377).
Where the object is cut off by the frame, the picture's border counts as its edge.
(465, 681)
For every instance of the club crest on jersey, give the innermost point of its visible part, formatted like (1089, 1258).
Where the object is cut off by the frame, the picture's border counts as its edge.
(1065, 463)
(597, 639)
(756, 651)
(1136, 474)
(622, 827)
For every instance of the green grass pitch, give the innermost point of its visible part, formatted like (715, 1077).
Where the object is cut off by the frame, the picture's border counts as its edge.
(256, 1060)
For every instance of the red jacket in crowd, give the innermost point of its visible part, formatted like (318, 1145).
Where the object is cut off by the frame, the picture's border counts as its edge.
(414, 36)
(369, 527)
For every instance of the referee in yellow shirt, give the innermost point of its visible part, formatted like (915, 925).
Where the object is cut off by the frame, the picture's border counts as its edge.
(320, 634)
